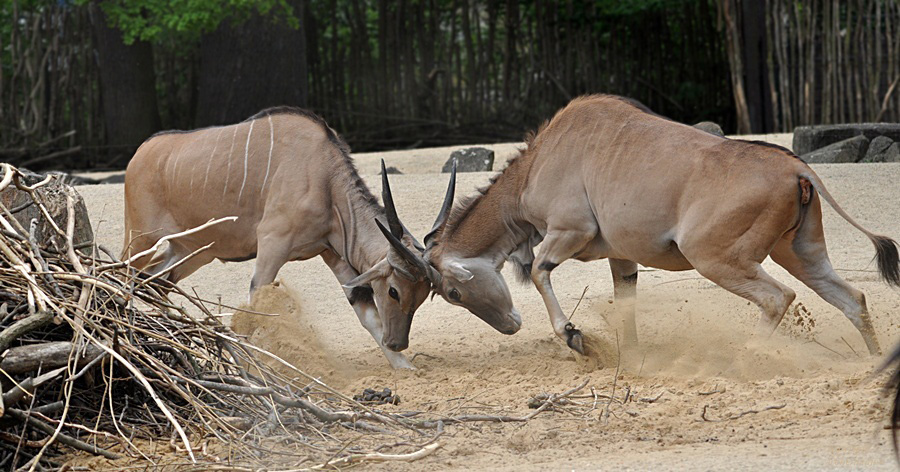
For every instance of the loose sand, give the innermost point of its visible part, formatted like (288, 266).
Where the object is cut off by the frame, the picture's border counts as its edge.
(693, 338)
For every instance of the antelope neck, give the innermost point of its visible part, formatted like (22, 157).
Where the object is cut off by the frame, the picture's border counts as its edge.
(357, 239)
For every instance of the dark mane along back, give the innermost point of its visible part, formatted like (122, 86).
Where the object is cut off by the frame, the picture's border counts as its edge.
(333, 137)
(278, 110)
(467, 204)
(178, 131)
(309, 115)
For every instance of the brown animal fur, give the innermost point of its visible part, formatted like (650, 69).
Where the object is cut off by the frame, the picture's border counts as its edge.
(607, 178)
(289, 179)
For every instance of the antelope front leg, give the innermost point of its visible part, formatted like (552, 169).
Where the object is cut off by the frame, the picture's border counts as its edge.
(624, 274)
(558, 246)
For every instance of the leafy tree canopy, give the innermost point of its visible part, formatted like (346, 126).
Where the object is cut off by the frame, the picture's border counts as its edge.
(147, 20)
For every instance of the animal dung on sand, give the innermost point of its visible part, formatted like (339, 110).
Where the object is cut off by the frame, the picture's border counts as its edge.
(372, 397)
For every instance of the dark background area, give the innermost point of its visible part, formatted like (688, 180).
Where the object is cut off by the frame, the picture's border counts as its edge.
(83, 83)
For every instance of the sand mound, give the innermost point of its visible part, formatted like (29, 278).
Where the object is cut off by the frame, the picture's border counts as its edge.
(288, 334)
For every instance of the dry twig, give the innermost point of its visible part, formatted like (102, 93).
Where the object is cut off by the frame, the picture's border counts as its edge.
(739, 415)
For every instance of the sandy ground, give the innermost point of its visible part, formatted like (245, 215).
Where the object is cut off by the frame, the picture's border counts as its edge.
(693, 338)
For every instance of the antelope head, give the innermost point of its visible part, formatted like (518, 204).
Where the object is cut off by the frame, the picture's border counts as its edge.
(474, 283)
(401, 281)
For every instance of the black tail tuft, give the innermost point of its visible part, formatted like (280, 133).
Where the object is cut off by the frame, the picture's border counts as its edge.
(888, 259)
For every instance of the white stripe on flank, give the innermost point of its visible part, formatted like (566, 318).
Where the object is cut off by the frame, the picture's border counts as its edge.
(212, 156)
(590, 137)
(271, 146)
(246, 154)
(228, 172)
(174, 162)
(193, 173)
(175, 166)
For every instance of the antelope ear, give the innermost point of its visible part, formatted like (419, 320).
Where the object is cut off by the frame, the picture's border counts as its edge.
(461, 273)
(381, 269)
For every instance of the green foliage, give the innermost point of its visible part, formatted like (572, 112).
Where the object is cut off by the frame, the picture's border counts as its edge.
(148, 20)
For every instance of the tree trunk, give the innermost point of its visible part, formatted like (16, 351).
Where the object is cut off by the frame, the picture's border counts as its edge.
(735, 60)
(250, 66)
(127, 87)
(753, 30)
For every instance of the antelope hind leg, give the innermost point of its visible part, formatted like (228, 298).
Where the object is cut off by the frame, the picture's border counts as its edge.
(624, 274)
(809, 263)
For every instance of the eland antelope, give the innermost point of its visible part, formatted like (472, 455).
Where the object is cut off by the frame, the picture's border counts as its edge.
(608, 179)
(289, 179)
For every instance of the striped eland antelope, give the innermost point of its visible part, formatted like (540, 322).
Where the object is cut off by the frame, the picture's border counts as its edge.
(607, 178)
(289, 179)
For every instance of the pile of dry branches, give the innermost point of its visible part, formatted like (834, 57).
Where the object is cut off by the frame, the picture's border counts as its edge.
(95, 358)
(100, 360)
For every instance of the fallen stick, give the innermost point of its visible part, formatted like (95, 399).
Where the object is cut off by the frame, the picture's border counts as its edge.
(605, 414)
(373, 457)
(712, 392)
(51, 156)
(828, 348)
(504, 419)
(23, 327)
(652, 399)
(63, 438)
(174, 266)
(162, 240)
(743, 413)
(48, 355)
(27, 386)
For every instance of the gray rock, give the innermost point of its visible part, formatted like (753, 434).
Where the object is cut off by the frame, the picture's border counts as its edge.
(878, 148)
(710, 128)
(848, 150)
(473, 159)
(810, 138)
(892, 154)
(114, 179)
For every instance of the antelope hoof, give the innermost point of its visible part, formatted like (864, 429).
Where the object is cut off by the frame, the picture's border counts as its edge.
(574, 339)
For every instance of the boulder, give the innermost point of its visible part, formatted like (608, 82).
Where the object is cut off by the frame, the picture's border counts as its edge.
(473, 159)
(882, 149)
(810, 138)
(891, 154)
(848, 150)
(710, 128)
(114, 179)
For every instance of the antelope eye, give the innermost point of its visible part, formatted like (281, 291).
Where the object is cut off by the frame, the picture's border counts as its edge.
(393, 293)
(454, 295)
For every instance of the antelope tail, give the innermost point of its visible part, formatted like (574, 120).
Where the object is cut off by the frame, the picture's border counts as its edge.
(885, 248)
